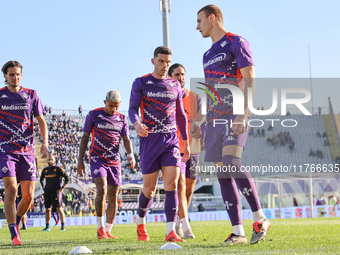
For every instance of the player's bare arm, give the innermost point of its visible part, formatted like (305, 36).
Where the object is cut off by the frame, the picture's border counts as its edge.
(128, 148)
(248, 73)
(66, 180)
(82, 149)
(44, 134)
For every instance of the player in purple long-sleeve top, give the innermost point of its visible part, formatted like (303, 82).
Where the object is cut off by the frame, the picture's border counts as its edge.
(229, 61)
(160, 101)
(17, 151)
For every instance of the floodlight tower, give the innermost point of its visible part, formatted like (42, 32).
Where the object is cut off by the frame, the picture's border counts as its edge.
(165, 7)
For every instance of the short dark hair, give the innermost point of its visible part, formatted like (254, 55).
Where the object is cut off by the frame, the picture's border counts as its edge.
(212, 9)
(162, 50)
(9, 64)
(173, 67)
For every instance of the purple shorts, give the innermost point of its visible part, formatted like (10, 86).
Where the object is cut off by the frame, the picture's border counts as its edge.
(100, 168)
(15, 165)
(220, 136)
(188, 168)
(157, 150)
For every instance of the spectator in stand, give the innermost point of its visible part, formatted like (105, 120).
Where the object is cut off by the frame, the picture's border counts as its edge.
(291, 146)
(258, 134)
(50, 110)
(319, 154)
(263, 132)
(270, 127)
(312, 153)
(324, 135)
(64, 113)
(80, 110)
(326, 143)
(337, 160)
(295, 202)
(319, 109)
(314, 200)
(251, 131)
(318, 134)
(46, 110)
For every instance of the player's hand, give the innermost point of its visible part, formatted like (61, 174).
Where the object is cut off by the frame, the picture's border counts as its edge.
(202, 145)
(141, 129)
(81, 168)
(60, 190)
(242, 125)
(131, 160)
(44, 150)
(195, 131)
(186, 150)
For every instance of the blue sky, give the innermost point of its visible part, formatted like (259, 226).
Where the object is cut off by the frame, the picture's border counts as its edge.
(73, 52)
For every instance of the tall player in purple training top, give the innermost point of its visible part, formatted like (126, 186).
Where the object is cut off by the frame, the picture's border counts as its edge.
(160, 100)
(229, 61)
(106, 125)
(17, 150)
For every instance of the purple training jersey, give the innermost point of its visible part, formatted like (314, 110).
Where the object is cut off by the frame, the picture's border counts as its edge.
(106, 131)
(16, 120)
(222, 64)
(158, 100)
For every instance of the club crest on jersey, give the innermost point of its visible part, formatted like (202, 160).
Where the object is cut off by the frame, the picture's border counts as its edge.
(118, 118)
(55, 170)
(45, 171)
(171, 83)
(96, 171)
(4, 169)
(25, 96)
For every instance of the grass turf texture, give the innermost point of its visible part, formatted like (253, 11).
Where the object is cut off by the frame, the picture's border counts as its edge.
(286, 236)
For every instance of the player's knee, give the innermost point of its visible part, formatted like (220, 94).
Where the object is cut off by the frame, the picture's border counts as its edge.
(28, 198)
(171, 185)
(181, 183)
(149, 192)
(11, 192)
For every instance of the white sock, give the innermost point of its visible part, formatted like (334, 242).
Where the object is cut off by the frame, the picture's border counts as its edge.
(100, 222)
(141, 220)
(239, 230)
(259, 216)
(108, 227)
(169, 227)
(178, 222)
(185, 224)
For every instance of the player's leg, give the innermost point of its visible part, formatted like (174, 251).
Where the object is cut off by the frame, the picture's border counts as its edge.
(170, 180)
(190, 186)
(59, 212)
(100, 202)
(62, 217)
(23, 221)
(232, 203)
(183, 208)
(10, 187)
(112, 195)
(48, 198)
(47, 218)
(232, 157)
(145, 202)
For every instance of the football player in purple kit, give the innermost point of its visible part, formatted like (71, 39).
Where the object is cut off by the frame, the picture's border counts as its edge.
(106, 125)
(53, 191)
(17, 150)
(229, 61)
(160, 100)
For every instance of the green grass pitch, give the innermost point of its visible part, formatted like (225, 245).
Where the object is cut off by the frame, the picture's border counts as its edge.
(286, 236)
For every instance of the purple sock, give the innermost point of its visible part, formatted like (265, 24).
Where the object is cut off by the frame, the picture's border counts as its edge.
(18, 219)
(13, 230)
(144, 205)
(171, 205)
(244, 181)
(231, 198)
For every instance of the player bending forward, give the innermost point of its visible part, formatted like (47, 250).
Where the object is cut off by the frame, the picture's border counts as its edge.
(107, 125)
